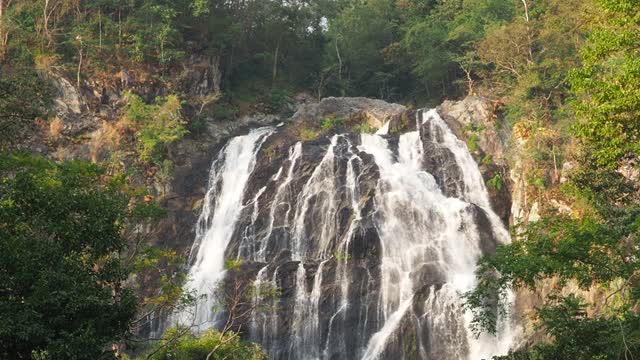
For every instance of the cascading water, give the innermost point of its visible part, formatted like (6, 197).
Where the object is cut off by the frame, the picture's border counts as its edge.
(222, 205)
(372, 239)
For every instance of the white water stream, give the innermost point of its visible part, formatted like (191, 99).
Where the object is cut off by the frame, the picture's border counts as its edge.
(222, 205)
(420, 230)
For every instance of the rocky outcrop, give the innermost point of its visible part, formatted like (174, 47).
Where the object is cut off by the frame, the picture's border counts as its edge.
(333, 254)
(200, 76)
(475, 114)
(371, 111)
(69, 107)
(474, 120)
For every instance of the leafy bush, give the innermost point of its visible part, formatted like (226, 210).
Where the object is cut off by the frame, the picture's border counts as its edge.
(364, 128)
(164, 175)
(224, 112)
(472, 142)
(473, 127)
(539, 182)
(157, 124)
(487, 159)
(330, 122)
(496, 182)
(182, 344)
(309, 134)
(24, 96)
(277, 99)
(341, 256)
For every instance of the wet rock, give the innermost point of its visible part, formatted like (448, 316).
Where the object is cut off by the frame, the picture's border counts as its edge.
(335, 249)
(473, 119)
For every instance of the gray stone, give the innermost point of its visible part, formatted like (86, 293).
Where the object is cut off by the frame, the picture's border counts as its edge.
(375, 112)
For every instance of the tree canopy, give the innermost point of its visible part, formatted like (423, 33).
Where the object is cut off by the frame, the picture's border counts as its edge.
(598, 248)
(61, 260)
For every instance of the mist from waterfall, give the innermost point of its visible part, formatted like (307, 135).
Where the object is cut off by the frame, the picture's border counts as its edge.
(371, 187)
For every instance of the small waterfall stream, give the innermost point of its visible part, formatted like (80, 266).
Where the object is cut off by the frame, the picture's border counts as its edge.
(222, 205)
(371, 245)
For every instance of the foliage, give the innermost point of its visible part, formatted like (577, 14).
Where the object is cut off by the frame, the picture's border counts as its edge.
(277, 99)
(487, 159)
(157, 125)
(24, 97)
(472, 142)
(586, 252)
(309, 134)
(233, 264)
(363, 128)
(341, 256)
(182, 344)
(61, 256)
(598, 249)
(496, 182)
(556, 68)
(606, 84)
(331, 122)
(164, 175)
(224, 112)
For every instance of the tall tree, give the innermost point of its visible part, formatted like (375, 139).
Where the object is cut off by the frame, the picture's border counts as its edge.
(62, 242)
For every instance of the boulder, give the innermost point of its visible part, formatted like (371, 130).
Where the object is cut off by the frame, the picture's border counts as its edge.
(375, 112)
(70, 107)
(475, 112)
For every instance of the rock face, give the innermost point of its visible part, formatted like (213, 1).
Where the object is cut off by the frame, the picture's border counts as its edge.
(374, 112)
(473, 119)
(362, 235)
(69, 107)
(369, 239)
(475, 112)
(201, 76)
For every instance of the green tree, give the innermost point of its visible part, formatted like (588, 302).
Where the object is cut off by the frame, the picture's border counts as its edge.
(62, 258)
(608, 103)
(156, 125)
(598, 248)
(356, 40)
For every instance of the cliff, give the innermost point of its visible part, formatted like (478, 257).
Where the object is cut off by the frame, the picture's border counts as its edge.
(315, 243)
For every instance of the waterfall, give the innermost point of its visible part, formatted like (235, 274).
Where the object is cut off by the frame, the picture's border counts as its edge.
(222, 205)
(371, 239)
(420, 226)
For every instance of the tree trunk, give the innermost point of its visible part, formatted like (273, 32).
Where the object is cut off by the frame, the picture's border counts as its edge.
(227, 74)
(275, 63)
(526, 19)
(339, 62)
(100, 27)
(119, 27)
(45, 20)
(470, 81)
(79, 68)
(526, 10)
(3, 42)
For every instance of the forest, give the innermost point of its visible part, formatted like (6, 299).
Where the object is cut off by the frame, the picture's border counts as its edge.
(563, 76)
